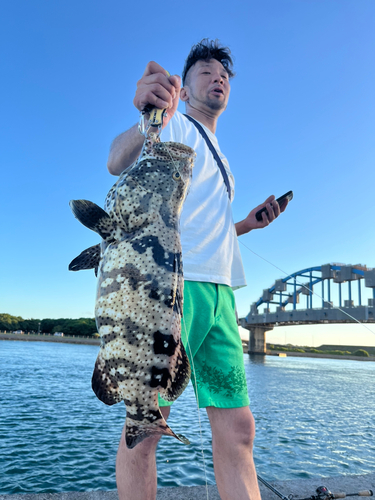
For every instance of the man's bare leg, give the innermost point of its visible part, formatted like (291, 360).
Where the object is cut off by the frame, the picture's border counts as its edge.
(233, 432)
(136, 469)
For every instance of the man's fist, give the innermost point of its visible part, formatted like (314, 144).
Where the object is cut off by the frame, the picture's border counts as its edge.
(158, 89)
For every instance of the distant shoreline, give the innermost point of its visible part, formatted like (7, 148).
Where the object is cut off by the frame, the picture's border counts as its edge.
(32, 337)
(90, 341)
(318, 355)
(309, 354)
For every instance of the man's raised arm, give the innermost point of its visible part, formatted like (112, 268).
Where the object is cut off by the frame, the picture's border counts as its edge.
(125, 149)
(155, 88)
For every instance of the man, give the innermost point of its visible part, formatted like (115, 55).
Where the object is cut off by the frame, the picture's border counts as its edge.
(212, 267)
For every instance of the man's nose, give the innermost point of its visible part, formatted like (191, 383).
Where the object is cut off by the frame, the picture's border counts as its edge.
(218, 78)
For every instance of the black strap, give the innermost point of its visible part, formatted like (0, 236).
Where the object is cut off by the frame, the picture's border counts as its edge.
(213, 151)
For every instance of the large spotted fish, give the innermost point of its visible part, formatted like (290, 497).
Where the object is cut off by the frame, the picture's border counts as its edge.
(140, 287)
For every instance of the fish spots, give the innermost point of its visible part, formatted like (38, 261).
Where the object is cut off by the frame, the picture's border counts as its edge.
(159, 377)
(134, 275)
(107, 282)
(164, 344)
(143, 204)
(137, 412)
(139, 300)
(166, 215)
(107, 337)
(105, 330)
(158, 252)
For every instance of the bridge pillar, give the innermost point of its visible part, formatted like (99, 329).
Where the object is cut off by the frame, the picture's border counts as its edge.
(257, 339)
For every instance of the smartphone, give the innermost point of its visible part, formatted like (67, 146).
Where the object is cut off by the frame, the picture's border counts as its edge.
(288, 196)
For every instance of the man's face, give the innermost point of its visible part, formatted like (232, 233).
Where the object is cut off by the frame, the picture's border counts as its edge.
(208, 85)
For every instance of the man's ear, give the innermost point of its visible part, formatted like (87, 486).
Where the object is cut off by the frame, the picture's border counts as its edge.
(184, 94)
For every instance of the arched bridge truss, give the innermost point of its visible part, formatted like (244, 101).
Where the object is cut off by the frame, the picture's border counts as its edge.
(331, 288)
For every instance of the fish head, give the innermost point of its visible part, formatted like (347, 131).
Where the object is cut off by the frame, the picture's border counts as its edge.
(165, 169)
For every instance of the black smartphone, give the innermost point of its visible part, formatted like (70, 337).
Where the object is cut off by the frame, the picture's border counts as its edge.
(288, 196)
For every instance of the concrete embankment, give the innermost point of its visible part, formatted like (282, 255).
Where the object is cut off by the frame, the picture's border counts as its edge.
(300, 488)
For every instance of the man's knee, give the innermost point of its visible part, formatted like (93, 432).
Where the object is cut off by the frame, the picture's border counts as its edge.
(233, 425)
(244, 428)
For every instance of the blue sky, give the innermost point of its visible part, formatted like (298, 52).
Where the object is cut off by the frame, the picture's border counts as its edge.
(300, 117)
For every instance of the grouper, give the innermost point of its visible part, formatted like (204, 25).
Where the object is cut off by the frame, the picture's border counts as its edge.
(140, 286)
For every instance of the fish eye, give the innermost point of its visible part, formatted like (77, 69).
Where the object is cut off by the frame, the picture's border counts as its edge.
(176, 176)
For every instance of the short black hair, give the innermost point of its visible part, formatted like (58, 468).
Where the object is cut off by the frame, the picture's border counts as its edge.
(204, 51)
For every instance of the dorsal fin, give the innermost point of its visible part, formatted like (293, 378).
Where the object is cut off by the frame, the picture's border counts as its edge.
(93, 217)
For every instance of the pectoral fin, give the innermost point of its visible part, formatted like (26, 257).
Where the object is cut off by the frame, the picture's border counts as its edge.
(104, 384)
(88, 259)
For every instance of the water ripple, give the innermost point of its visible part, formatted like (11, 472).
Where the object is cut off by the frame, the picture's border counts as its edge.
(314, 417)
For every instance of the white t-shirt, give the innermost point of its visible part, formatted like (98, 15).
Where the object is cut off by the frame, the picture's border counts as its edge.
(210, 250)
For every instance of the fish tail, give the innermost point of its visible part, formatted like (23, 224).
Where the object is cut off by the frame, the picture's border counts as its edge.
(137, 431)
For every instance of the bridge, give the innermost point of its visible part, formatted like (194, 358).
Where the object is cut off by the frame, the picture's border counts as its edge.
(340, 290)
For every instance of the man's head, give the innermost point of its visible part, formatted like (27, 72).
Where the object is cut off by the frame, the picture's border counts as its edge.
(204, 51)
(205, 77)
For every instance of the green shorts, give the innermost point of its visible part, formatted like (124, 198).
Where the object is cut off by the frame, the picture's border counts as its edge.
(210, 335)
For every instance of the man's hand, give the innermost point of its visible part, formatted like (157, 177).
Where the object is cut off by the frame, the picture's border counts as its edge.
(159, 90)
(250, 223)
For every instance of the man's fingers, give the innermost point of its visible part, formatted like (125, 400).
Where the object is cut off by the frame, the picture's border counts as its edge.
(157, 90)
(140, 102)
(269, 199)
(154, 94)
(276, 208)
(265, 220)
(175, 81)
(273, 210)
(160, 79)
(153, 67)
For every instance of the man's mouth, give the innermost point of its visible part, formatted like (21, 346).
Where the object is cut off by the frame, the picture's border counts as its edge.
(217, 90)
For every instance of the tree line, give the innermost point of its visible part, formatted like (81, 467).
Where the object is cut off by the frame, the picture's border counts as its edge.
(81, 327)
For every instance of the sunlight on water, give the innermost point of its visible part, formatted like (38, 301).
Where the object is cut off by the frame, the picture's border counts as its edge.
(315, 417)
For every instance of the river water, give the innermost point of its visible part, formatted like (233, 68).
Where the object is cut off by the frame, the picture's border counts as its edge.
(314, 417)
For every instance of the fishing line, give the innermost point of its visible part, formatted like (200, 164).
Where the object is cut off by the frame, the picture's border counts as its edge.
(193, 367)
(197, 397)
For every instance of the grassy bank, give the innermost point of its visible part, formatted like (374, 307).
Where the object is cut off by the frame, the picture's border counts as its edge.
(358, 353)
